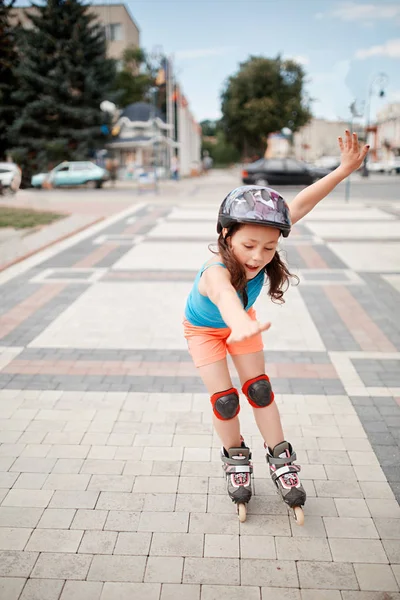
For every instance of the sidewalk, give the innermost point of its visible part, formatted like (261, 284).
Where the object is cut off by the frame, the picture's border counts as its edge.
(82, 208)
(110, 479)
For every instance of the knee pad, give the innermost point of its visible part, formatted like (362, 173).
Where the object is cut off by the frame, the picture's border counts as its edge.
(258, 391)
(225, 404)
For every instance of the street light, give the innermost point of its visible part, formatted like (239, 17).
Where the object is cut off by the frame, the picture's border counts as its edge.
(379, 81)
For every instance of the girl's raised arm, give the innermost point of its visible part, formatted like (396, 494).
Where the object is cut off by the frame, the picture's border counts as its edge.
(352, 158)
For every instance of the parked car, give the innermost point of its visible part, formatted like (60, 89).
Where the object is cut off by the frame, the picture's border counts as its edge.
(328, 162)
(377, 166)
(282, 171)
(72, 173)
(10, 177)
(394, 165)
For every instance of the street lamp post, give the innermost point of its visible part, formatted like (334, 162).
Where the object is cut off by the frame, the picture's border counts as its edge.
(354, 113)
(381, 79)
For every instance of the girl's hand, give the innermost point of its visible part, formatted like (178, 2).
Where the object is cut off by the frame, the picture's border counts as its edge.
(246, 330)
(351, 156)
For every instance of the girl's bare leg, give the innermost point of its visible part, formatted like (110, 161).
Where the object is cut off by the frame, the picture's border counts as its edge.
(216, 378)
(268, 419)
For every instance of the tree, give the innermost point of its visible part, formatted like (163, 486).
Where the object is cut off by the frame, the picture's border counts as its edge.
(136, 78)
(222, 152)
(63, 78)
(263, 97)
(8, 82)
(209, 127)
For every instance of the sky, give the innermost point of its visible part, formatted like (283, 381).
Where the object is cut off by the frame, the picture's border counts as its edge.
(343, 47)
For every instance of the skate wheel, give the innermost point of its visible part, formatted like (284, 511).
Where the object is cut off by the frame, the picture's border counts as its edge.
(241, 508)
(298, 515)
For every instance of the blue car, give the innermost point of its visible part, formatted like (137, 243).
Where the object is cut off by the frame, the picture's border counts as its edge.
(72, 173)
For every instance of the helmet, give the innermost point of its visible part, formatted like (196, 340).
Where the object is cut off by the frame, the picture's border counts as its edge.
(256, 205)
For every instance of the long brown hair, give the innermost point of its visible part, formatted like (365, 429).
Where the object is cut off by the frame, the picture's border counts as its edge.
(279, 276)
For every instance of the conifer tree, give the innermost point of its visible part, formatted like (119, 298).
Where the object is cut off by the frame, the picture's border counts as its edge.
(63, 78)
(8, 61)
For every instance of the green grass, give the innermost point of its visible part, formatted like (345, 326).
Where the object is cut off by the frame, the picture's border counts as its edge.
(21, 218)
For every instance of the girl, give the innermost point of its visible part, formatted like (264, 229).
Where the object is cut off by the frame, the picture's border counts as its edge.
(219, 317)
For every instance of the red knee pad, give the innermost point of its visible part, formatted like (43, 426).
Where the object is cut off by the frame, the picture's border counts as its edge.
(258, 391)
(225, 404)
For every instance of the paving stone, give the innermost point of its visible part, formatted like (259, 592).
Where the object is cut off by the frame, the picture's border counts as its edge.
(54, 540)
(137, 543)
(163, 522)
(345, 527)
(120, 501)
(98, 542)
(302, 549)
(320, 575)
(14, 539)
(28, 498)
(42, 589)
(82, 590)
(388, 528)
(211, 570)
(370, 595)
(15, 517)
(124, 520)
(30, 481)
(14, 563)
(111, 483)
(68, 499)
(273, 593)
(193, 485)
(127, 591)
(313, 528)
(392, 549)
(177, 544)
(117, 568)
(269, 573)
(61, 566)
(89, 519)
(11, 587)
(164, 569)
(218, 545)
(191, 503)
(229, 592)
(173, 591)
(159, 502)
(349, 507)
(375, 577)
(320, 595)
(357, 551)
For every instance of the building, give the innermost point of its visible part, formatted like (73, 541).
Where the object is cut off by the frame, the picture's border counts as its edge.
(388, 132)
(142, 140)
(319, 138)
(121, 29)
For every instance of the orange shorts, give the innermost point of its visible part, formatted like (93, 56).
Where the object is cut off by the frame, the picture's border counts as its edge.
(207, 345)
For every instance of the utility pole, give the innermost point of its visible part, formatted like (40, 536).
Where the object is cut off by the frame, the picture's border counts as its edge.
(354, 113)
(381, 79)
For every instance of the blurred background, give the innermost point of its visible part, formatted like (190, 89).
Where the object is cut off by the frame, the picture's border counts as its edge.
(103, 93)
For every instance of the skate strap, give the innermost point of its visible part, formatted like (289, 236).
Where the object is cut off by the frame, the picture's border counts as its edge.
(279, 462)
(239, 469)
(284, 471)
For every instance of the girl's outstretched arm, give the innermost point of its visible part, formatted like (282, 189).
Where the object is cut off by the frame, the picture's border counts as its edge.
(352, 158)
(222, 293)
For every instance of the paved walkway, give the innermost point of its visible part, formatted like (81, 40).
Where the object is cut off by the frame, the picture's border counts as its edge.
(110, 480)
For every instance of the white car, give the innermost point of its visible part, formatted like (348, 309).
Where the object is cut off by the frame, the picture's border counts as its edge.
(378, 166)
(394, 165)
(10, 177)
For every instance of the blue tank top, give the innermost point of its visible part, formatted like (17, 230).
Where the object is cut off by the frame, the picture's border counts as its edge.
(201, 312)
